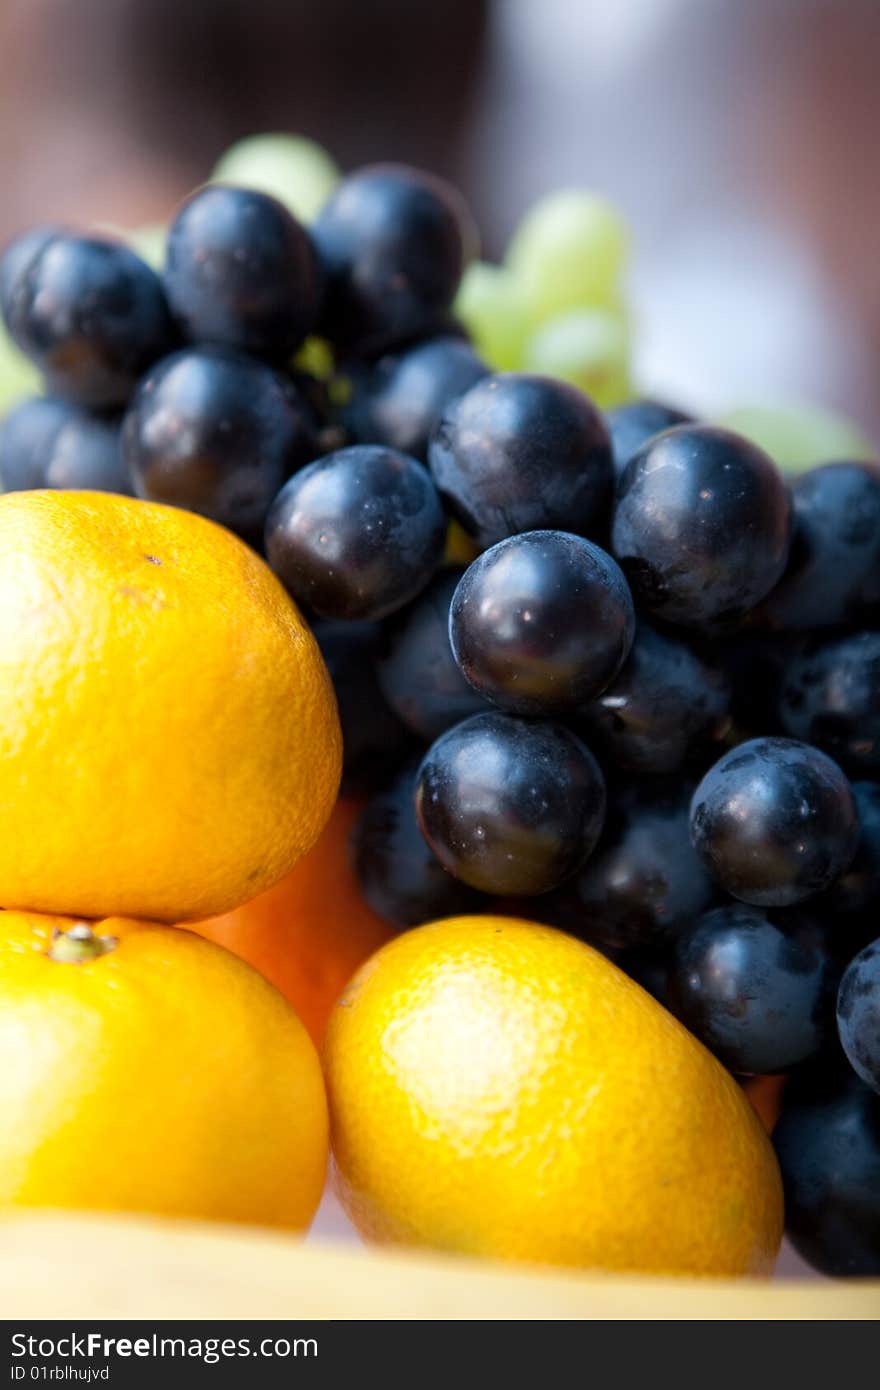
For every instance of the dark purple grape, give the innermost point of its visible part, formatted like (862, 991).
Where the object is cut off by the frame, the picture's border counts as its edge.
(833, 574)
(241, 272)
(417, 671)
(510, 807)
(830, 696)
(523, 453)
(775, 821)
(701, 526)
(858, 1014)
(827, 1141)
(541, 622)
(89, 312)
(356, 534)
(393, 243)
(399, 400)
(666, 707)
(375, 744)
(633, 424)
(216, 432)
(644, 882)
(398, 875)
(757, 988)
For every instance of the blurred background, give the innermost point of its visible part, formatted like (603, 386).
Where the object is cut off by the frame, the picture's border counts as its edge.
(738, 136)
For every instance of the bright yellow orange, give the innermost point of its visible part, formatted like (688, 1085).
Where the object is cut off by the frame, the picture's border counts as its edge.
(162, 1075)
(169, 743)
(309, 933)
(765, 1094)
(499, 1088)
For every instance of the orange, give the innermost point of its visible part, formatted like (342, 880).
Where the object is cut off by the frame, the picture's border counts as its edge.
(311, 931)
(161, 1076)
(765, 1094)
(169, 743)
(499, 1088)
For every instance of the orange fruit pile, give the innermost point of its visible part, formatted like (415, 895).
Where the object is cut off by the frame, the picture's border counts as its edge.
(170, 752)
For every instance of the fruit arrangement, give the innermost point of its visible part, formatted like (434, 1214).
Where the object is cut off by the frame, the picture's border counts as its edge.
(316, 500)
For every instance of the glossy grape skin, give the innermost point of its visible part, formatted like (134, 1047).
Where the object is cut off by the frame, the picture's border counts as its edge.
(830, 695)
(644, 882)
(398, 875)
(858, 1014)
(393, 243)
(632, 425)
(775, 821)
(510, 807)
(857, 889)
(358, 533)
(417, 671)
(241, 272)
(666, 707)
(701, 526)
(541, 622)
(46, 442)
(757, 988)
(523, 453)
(218, 433)
(833, 573)
(92, 316)
(398, 400)
(827, 1141)
(375, 744)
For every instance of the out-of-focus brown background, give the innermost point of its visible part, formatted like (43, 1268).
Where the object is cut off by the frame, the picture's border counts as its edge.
(739, 135)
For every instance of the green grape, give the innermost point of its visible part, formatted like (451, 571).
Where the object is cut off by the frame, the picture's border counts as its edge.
(799, 437)
(568, 252)
(490, 306)
(17, 377)
(149, 242)
(292, 168)
(589, 348)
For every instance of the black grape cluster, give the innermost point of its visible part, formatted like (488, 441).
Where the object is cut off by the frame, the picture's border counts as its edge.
(615, 673)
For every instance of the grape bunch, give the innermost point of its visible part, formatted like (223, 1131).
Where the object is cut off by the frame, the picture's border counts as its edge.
(597, 662)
